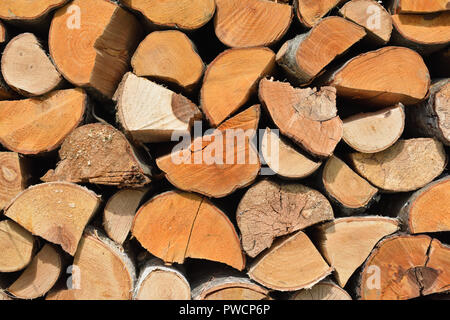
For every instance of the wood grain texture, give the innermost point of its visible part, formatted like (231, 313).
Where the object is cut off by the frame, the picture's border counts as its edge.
(16, 246)
(14, 176)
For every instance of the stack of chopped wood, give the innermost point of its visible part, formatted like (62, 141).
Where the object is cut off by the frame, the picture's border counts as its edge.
(227, 149)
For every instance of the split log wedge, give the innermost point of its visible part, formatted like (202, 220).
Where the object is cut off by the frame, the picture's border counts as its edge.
(290, 264)
(178, 14)
(22, 11)
(57, 212)
(39, 125)
(324, 290)
(251, 23)
(169, 56)
(3, 33)
(405, 267)
(225, 286)
(304, 57)
(428, 209)
(269, 210)
(14, 176)
(219, 163)
(27, 68)
(119, 213)
(423, 33)
(375, 131)
(92, 45)
(420, 6)
(40, 276)
(383, 77)
(362, 232)
(310, 12)
(159, 282)
(149, 112)
(307, 116)
(431, 117)
(16, 246)
(372, 16)
(231, 79)
(100, 154)
(176, 225)
(283, 159)
(102, 270)
(346, 188)
(406, 166)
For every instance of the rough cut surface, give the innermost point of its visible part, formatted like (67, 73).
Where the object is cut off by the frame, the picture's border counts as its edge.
(269, 210)
(14, 239)
(406, 166)
(99, 153)
(307, 116)
(13, 176)
(325, 290)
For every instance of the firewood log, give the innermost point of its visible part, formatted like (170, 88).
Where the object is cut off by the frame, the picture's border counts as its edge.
(372, 16)
(419, 6)
(251, 23)
(3, 34)
(231, 79)
(375, 131)
(176, 225)
(423, 33)
(310, 12)
(290, 264)
(383, 77)
(304, 57)
(56, 211)
(324, 290)
(100, 154)
(406, 166)
(119, 213)
(14, 176)
(219, 163)
(159, 282)
(26, 13)
(227, 286)
(405, 267)
(92, 46)
(149, 112)
(346, 188)
(269, 210)
(431, 117)
(26, 67)
(307, 116)
(39, 125)
(40, 275)
(428, 209)
(363, 232)
(16, 246)
(169, 56)
(102, 270)
(284, 159)
(179, 14)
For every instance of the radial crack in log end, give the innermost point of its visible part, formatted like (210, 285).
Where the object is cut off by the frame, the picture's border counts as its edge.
(149, 112)
(269, 210)
(251, 23)
(307, 116)
(55, 211)
(99, 42)
(176, 225)
(347, 242)
(406, 166)
(219, 163)
(100, 154)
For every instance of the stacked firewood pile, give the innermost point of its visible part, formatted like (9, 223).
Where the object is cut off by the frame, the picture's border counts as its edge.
(227, 149)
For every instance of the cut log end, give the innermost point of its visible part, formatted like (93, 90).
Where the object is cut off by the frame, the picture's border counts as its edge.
(419, 6)
(57, 212)
(26, 67)
(39, 125)
(310, 12)
(251, 23)
(187, 226)
(307, 116)
(325, 290)
(269, 210)
(13, 176)
(169, 56)
(16, 246)
(21, 10)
